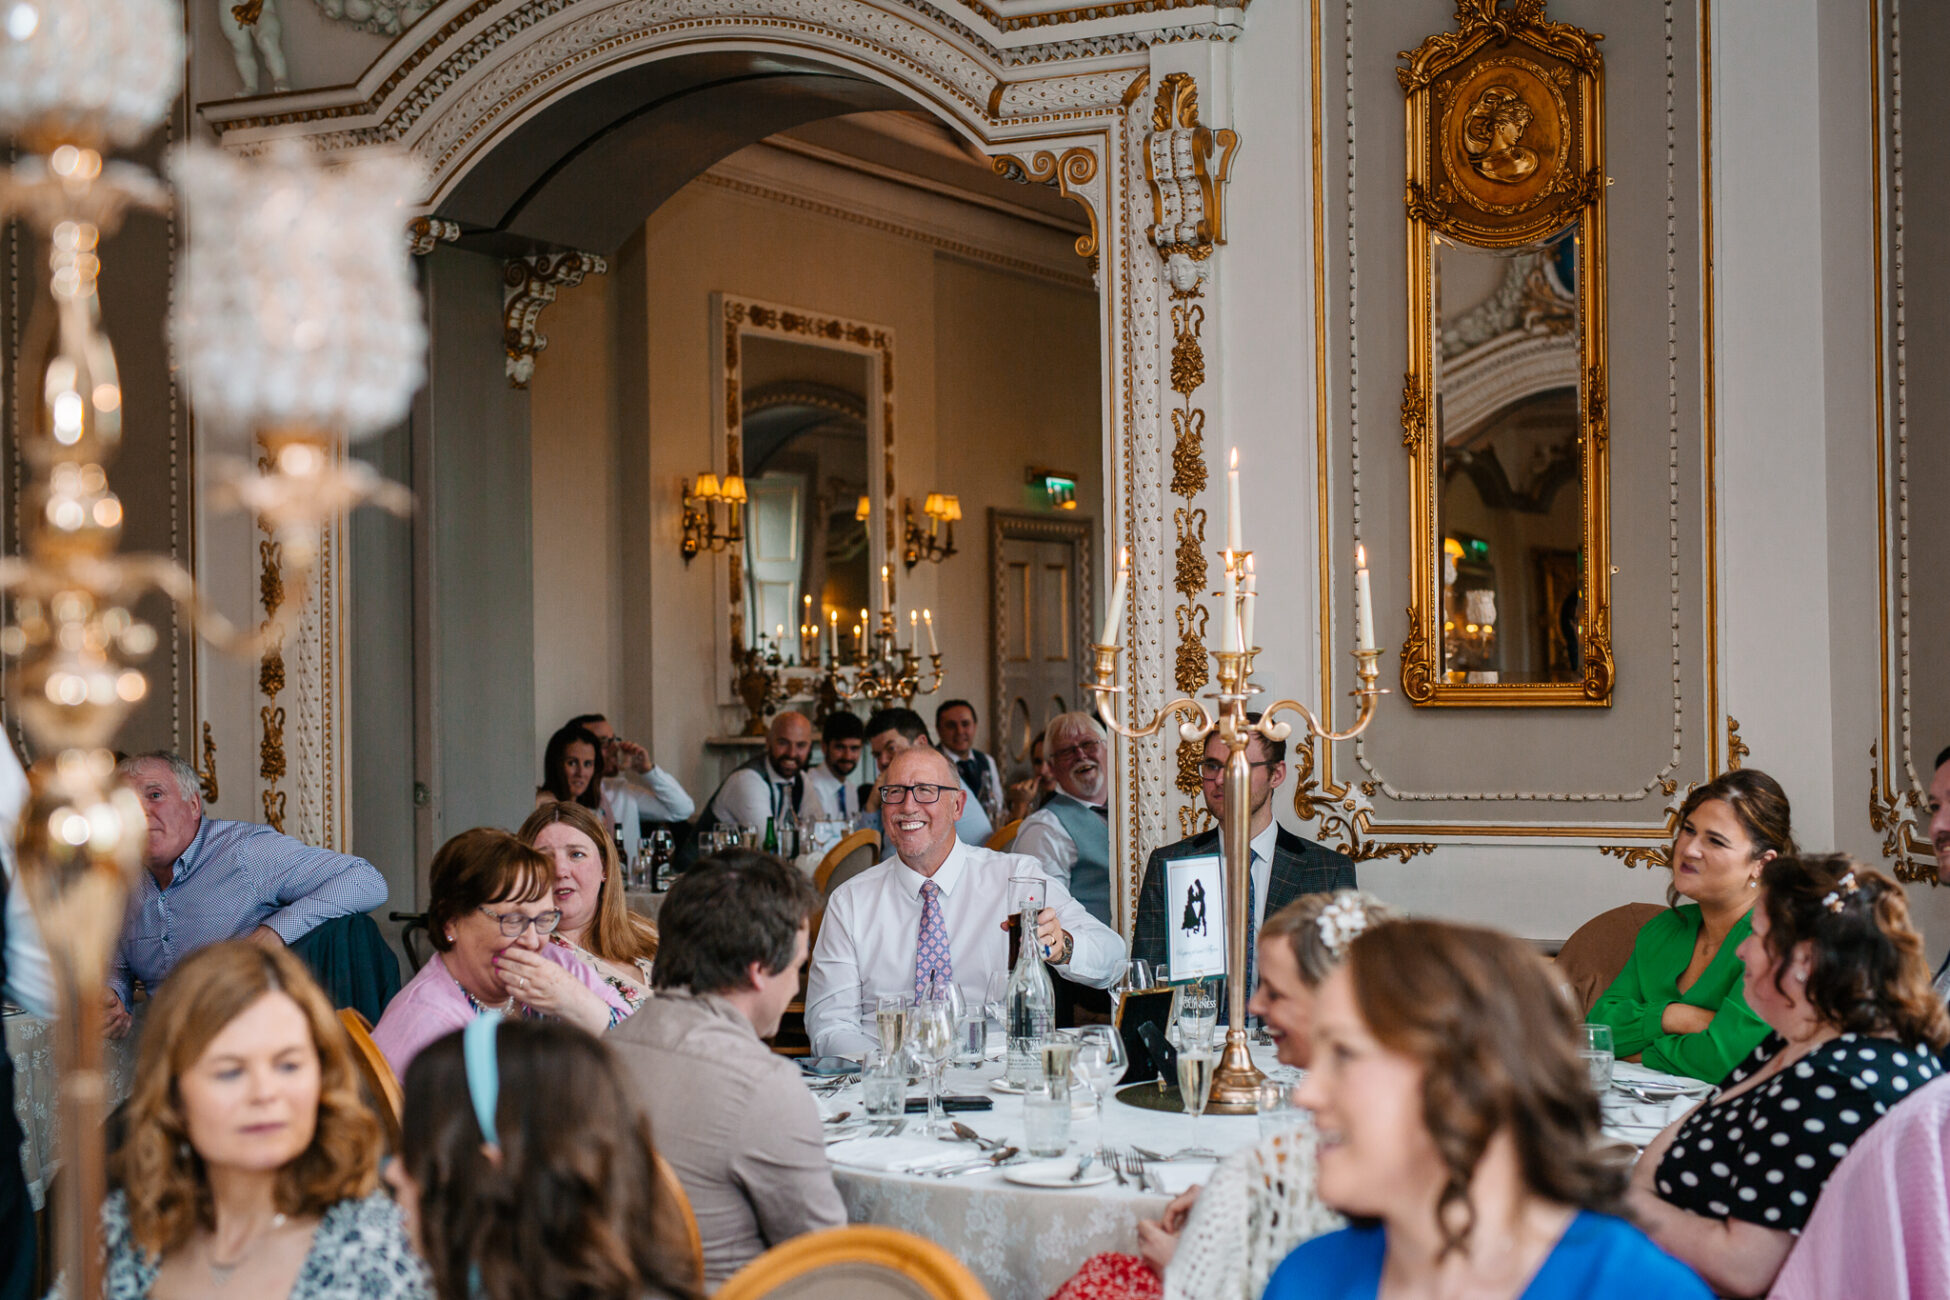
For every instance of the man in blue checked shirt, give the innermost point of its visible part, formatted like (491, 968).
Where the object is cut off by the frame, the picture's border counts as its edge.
(210, 880)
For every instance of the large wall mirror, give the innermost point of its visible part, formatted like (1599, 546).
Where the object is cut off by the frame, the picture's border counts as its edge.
(1504, 404)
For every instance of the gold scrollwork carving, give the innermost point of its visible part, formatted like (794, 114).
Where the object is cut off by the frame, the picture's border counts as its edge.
(273, 802)
(1190, 754)
(1187, 355)
(1893, 815)
(206, 768)
(270, 750)
(1187, 188)
(1639, 855)
(1188, 474)
(1418, 674)
(1479, 22)
(1342, 813)
(1736, 747)
(1192, 564)
(1415, 417)
(1194, 819)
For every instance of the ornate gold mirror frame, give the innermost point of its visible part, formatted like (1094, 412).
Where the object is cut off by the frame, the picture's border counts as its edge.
(1506, 153)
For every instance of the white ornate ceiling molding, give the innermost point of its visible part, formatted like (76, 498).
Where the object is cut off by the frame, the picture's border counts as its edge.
(424, 234)
(1502, 372)
(529, 284)
(383, 17)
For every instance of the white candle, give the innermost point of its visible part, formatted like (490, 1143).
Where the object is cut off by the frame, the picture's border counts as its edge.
(833, 620)
(913, 628)
(1246, 605)
(1114, 616)
(1363, 604)
(1229, 612)
(927, 617)
(1235, 527)
(886, 588)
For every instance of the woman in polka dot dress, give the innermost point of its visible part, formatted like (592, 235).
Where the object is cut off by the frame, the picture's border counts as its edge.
(1836, 969)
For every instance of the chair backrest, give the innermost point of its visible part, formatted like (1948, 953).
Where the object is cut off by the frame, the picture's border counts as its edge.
(382, 1085)
(862, 1262)
(1002, 839)
(846, 860)
(1594, 954)
(412, 935)
(676, 1223)
(1877, 1228)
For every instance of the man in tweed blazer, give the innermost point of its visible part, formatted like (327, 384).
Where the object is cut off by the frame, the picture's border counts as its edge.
(1284, 867)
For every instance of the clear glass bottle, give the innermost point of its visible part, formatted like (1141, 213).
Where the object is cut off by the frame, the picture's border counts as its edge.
(788, 832)
(1029, 1004)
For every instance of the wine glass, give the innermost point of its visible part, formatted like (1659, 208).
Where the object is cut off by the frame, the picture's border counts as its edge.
(1134, 978)
(931, 1040)
(1195, 1065)
(1101, 1060)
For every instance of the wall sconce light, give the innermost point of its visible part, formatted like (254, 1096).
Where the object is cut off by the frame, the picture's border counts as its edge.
(701, 514)
(1059, 486)
(864, 510)
(935, 544)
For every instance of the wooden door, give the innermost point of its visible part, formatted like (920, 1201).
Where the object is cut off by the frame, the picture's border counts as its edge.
(1040, 581)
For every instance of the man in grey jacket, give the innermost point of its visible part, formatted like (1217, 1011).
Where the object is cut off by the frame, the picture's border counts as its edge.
(735, 1121)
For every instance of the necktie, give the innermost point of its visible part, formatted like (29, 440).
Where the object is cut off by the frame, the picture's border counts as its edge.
(798, 791)
(1101, 809)
(1252, 945)
(840, 793)
(931, 958)
(973, 773)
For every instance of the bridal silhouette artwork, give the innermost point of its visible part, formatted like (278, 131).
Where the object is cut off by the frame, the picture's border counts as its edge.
(1194, 922)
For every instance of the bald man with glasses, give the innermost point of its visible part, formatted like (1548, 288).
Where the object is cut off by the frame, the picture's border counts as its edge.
(935, 910)
(1284, 866)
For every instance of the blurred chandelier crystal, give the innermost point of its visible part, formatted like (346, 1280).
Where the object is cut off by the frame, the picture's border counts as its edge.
(297, 322)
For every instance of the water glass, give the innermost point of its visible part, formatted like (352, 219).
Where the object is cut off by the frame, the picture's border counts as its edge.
(971, 1037)
(883, 1083)
(1046, 1116)
(1027, 892)
(1198, 1015)
(1277, 1112)
(1598, 1055)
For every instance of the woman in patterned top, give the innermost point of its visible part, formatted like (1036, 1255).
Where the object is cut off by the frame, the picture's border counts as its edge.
(597, 924)
(250, 1160)
(1836, 968)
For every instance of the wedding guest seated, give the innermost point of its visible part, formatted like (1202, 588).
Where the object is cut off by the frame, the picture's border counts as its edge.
(1222, 1241)
(1033, 790)
(1837, 971)
(1285, 867)
(762, 788)
(891, 733)
(1456, 1118)
(935, 909)
(509, 1193)
(597, 924)
(572, 772)
(735, 1120)
(1680, 1004)
(954, 724)
(208, 880)
(249, 1163)
(631, 777)
(1070, 835)
(842, 738)
(490, 911)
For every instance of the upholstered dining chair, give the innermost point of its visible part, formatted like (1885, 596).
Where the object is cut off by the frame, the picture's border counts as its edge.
(676, 1223)
(1003, 838)
(382, 1086)
(846, 860)
(1597, 950)
(862, 1262)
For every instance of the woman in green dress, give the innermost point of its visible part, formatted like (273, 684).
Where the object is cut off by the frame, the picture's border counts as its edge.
(1678, 1005)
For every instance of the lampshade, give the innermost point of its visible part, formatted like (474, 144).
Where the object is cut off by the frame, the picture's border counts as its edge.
(864, 510)
(950, 507)
(707, 488)
(88, 71)
(931, 507)
(734, 489)
(297, 307)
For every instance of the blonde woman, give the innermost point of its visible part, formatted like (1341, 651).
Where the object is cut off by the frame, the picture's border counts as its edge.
(250, 1165)
(597, 924)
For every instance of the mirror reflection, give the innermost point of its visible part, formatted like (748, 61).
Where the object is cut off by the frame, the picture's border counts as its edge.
(807, 539)
(1510, 513)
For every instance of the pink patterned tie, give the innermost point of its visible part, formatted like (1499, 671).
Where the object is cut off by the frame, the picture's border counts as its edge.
(931, 958)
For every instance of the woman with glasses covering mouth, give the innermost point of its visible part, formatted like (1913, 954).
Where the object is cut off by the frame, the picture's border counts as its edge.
(490, 912)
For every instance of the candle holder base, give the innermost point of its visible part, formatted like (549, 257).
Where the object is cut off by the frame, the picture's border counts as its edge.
(1236, 1080)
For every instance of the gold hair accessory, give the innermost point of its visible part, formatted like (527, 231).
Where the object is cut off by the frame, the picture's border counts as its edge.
(1836, 897)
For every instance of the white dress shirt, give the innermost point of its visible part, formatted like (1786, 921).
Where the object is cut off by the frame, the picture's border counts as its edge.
(636, 797)
(872, 928)
(1042, 837)
(842, 796)
(1262, 869)
(997, 794)
(751, 795)
(30, 976)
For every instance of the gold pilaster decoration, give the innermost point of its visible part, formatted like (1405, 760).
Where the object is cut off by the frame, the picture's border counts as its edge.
(1068, 173)
(1343, 811)
(1736, 747)
(529, 284)
(206, 767)
(270, 670)
(1894, 815)
(1655, 855)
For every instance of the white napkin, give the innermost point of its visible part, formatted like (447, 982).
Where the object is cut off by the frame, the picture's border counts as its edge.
(899, 1155)
(1646, 1077)
(1621, 1111)
(1171, 1179)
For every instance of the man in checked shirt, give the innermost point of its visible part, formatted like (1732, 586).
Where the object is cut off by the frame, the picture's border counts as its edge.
(210, 880)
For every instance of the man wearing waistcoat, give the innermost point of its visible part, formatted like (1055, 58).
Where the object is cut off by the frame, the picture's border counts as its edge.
(770, 783)
(1070, 835)
(1284, 866)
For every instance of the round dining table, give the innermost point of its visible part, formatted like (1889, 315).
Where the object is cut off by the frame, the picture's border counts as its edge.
(1023, 1242)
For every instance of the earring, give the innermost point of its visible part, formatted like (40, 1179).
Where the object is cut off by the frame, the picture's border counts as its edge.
(182, 1149)
(1753, 882)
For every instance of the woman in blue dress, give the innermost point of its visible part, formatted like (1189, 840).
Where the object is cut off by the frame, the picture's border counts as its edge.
(1458, 1130)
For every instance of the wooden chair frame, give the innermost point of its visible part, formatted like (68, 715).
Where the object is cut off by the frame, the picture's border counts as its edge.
(677, 1202)
(840, 852)
(387, 1098)
(1005, 836)
(934, 1270)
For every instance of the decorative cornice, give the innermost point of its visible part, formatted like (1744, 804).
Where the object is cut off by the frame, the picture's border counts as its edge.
(423, 234)
(529, 284)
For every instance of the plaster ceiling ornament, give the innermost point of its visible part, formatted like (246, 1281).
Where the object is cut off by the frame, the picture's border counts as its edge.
(424, 234)
(386, 17)
(528, 285)
(256, 35)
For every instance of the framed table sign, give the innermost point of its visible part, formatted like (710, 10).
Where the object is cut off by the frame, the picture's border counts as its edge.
(1195, 917)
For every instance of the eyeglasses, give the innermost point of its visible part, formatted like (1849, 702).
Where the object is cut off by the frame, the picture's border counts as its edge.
(921, 793)
(1070, 753)
(513, 923)
(1212, 769)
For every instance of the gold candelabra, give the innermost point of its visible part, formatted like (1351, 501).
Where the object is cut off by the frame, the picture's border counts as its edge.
(885, 671)
(1235, 1080)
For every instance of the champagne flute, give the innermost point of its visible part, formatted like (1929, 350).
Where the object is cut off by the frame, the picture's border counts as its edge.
(890, 1018)
(931, 1039)
(1195, 1065)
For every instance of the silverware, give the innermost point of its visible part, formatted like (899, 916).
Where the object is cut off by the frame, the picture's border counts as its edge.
(968, 1134)
(1115, 1163)
(839, 1118)
(1089, 1158)
(1142, 1154)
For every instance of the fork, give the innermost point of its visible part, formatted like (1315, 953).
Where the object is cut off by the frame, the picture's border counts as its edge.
(1114, 1163)
(1136, 1165)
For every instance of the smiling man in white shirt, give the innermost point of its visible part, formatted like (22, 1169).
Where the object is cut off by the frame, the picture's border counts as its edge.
(940, 896)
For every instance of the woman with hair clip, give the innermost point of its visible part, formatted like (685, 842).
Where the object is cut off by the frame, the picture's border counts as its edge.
(597, 923)
(1456, 1118)
(249, 1161)
(1678, 1005)
(1837, 970)
(511, 1195)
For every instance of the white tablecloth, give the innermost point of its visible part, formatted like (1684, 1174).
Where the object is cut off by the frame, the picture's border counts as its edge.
(37, 1086)
(1023, 1242)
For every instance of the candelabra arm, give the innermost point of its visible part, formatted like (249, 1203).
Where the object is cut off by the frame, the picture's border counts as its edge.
(1104, 686)
(1367, 693)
